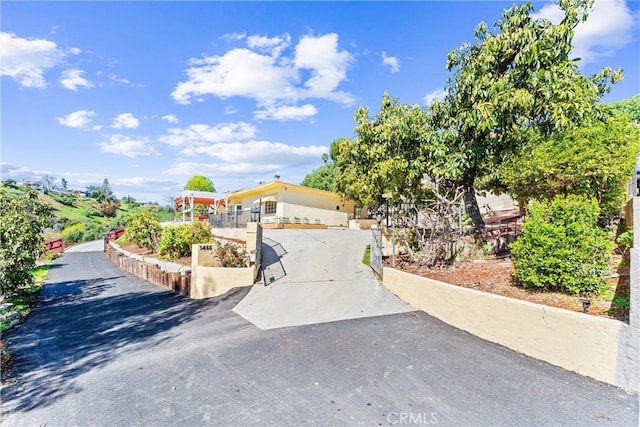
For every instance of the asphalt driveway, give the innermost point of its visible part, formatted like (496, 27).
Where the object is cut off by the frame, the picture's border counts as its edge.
(103, 348)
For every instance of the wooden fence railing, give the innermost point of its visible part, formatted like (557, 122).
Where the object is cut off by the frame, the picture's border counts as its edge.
(178, 282)
(54, 245)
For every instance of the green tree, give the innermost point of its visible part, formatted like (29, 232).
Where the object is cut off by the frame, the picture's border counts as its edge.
(389, 154)
(630, 107)
(64, 183)
(200, 183)
(100, 193)
(593, 161)
(508, 84)
(322, 178)
(23, 219)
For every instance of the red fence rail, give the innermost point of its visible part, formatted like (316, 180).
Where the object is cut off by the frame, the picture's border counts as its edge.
(54, 245)
(114, 234)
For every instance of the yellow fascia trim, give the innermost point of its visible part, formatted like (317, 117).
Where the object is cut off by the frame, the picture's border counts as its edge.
(276, 185)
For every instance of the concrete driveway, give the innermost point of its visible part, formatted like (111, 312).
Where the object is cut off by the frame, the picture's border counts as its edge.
(102, 348)
(315, 276)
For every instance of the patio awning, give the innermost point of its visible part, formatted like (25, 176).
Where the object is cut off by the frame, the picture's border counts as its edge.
(265, 199)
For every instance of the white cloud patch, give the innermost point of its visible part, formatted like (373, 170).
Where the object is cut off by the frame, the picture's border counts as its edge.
(78, 119)
(75, 51)
(72, 80)
(220, 170)
(327, 64)
(200, 134)
(391, 61)
(264, 73)
(609, 27)
(130, 147)
(286, 112)
(271, 45)
(171, 118)
(259, 152)
(437, 94)
(125, 121)
(26, 60)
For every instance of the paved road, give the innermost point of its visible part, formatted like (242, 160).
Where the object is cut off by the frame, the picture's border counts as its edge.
(103, 348)
(316, 276)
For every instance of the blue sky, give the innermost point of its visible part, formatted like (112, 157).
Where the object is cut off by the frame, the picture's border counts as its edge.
(148, 94)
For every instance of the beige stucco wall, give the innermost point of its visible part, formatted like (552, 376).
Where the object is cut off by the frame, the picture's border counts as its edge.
(585, 344)
(328, 217)
(209, 280)
(294, 202)
(230, 233)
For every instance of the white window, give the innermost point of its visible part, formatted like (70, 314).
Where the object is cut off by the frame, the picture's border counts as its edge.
(270, 208)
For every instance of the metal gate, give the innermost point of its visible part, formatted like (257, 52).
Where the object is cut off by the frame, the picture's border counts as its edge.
(375, 259)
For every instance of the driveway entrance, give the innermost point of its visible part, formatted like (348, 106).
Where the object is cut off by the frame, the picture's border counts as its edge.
(315, 276)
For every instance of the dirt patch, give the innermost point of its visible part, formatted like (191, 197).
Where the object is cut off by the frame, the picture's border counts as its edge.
(495, 276)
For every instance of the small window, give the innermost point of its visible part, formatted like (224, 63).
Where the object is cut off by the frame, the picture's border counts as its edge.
(270, 208)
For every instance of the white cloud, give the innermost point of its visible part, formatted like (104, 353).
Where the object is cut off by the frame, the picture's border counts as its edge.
(130, 147)
(609, 27)
(72, 80)
(272, 45)
(391, 61)
(259, 152)
(437, 94)
(239, 72)
(328, 66)
(125, 120)
(171, 118)
(115, 78)
(200, 134)
(26, 60)
(271, 78)
(234, 36)
(220, 170)
(286, 112)
(75, 51)
(77, 119)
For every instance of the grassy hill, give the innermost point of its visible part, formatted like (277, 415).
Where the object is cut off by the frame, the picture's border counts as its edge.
(77, 217)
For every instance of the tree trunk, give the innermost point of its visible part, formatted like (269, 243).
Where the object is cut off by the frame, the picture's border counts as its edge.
(471, 203)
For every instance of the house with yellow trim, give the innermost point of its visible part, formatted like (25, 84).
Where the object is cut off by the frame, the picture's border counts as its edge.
(282, 202)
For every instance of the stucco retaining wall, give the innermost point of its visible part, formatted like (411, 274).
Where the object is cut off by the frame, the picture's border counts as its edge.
(208, 279)
(604, 349)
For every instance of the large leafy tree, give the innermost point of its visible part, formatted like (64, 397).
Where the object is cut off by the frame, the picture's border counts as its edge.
(630, 107)
(322, 178)
(23, 218)
(518, 80)
(200, 183)
(388, 155)
(594, 161)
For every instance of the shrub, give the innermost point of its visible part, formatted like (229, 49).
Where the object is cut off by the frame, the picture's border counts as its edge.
(176, 241)
(561, 247)
(230, 254)
(143, 229)
(92, 231)
(73, 233)
(23, 219)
